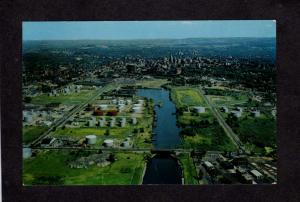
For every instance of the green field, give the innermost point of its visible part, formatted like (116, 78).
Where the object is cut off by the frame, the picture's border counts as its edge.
(52, 165)
(189, 170)
(31, 133)
(71, 99)
(184, 96)
(153, 83)
(211, 137)
(188, 118)
(228, 100)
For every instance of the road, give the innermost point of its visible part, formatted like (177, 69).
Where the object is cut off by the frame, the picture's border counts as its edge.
(235, 139)
(73, 111)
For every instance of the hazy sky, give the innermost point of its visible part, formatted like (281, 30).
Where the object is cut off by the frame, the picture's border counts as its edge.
(146, 29)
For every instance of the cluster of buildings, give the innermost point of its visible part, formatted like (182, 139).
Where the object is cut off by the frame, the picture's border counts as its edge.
(43, 115)
(37, 117)
(66, 90)
(238, 111)
(231, 168)
(110, 122)
(100, 160)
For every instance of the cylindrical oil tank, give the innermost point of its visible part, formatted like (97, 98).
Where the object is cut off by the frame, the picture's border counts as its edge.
(112, 122)
(134, 120)
(108, 142)
(137, 109)
(126, 144)
(123, 122)
(137, 105)
(90, 123)
(103, 107)
(91, 139)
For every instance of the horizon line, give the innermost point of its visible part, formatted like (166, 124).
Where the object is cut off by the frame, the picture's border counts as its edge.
(145, 38)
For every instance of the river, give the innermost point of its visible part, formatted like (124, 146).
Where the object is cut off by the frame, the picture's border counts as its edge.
(163, 168)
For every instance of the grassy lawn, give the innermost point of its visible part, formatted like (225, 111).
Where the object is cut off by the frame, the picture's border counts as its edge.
(155, 83)
(186, 118)
(53, 163)
(184, 96)
(226, 96)
(189, 170)
(212, 137)
(73, 98)
(228, 100)
(31, 133)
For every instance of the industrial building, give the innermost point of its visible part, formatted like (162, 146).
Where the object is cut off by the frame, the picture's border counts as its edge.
(199, 109)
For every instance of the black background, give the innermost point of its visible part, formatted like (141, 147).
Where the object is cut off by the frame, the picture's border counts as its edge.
(12, 13)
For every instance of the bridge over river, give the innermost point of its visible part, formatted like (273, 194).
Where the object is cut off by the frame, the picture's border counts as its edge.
(142, 150)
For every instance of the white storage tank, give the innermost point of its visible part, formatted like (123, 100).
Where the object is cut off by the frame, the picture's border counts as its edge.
(90, 123)
(103, 107)
(108, 142)
(236, 113)
(225, 109)
(121, 107)
(199, 109)
(256, 113)
(101, 123)
(121, 102)
(134, 120)
(137, 109)
(123, 122)
(112, 122)
(91, 139)
(126, 144)
(240, 109)
(137, 105)
(27, 153)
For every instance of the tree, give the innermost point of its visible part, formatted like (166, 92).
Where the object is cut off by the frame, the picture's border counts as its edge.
(107, 132)
(27, 99)
(45, 88)
(112, 158)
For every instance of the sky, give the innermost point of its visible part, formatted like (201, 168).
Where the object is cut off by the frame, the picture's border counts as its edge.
(118, 30)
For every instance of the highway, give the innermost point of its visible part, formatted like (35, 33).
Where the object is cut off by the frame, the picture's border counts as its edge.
(235, 139)
(73, 111)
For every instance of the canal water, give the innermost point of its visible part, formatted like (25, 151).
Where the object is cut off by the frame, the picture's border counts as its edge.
(163, 168)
